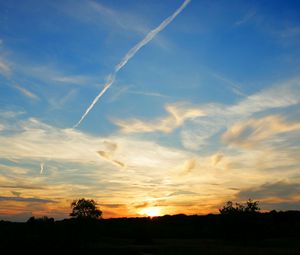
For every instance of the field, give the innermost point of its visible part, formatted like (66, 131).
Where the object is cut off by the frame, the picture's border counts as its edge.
(259, 233)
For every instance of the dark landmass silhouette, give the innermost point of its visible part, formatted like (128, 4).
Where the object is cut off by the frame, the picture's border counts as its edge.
(244, 233)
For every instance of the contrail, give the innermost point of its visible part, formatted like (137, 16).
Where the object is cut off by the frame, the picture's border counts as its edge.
(130, 54)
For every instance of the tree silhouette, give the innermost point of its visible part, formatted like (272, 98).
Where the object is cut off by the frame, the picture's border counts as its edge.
(85, 209)
(250, 207)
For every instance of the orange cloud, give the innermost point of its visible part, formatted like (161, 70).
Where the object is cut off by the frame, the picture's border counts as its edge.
(251, 132)
(178, 114)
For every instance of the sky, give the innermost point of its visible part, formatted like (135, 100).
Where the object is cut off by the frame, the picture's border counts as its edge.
(200, 104)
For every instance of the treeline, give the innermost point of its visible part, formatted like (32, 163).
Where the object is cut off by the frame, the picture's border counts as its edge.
(87, 231)
(258, 225)
(94, 234)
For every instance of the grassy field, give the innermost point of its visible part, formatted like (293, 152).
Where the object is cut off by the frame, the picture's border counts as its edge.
(195, 246)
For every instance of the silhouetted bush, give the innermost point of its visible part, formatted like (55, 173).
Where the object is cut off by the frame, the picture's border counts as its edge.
(250, 207)
(43, 219)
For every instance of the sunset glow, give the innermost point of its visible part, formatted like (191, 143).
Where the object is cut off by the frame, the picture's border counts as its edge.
(151, 211)
(148, 107)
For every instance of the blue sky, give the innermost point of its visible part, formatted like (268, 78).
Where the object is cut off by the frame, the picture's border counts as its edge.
(207, 111)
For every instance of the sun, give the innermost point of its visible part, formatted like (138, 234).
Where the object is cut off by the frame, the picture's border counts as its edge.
(151, 211)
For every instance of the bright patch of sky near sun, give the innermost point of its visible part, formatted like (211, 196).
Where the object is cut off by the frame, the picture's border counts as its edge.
(207, 111)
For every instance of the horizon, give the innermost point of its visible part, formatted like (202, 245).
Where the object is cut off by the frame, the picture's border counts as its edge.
(148, 107)
(155, 214)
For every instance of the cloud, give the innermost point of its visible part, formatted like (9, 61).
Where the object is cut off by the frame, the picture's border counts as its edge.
(2, 127)
(276, 96)
(42, 168)
(141, 205)
(109, 156)
(247, 17)
(16, 193)
(207, 120)
(189, 165)
(130, 54)
(290, 32)
(203, 122)
(16, 217)
(5, 68)
(235, 87)
(35, 140)
(60, 101)
(216, 158)
(281, 190)
(52, 74)
(11, 114)
(21, 187)
(117, 93)
(196, 133)
(150, 94)
(182, 192)
(29, 199)
(178, 114)
(26, 92)
(97, 13)
(217, 117)
(282, 206)
(75, 79)
(112, 205)
(252, 132)
(112, 146)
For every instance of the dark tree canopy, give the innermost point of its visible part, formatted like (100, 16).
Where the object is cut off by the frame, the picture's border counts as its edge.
(250, 207)
(85, 209)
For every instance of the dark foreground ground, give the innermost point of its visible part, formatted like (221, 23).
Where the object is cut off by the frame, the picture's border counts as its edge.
(168, 246)
(264, 233)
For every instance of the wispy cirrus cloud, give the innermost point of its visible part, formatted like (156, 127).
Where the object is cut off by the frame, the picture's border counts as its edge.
(234, 86)
(150, 94)
(53, 74)
(99, 14)
(124, 20)
(5, 68)
(200, 123)
(38, 141)
(246, 18)
(253, 132)
(71, 79)
(2, 127)
(26, 92)
(26, 199)
(290, 32)
(59, 102)
(220, 117)
(279, 95)
(116, 94)
(11, 114)
(178, 114)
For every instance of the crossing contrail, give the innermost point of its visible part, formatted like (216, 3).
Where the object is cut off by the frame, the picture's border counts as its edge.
(130, 54)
